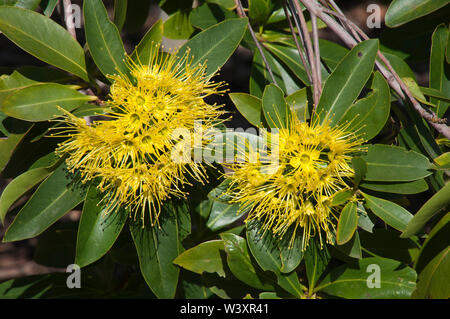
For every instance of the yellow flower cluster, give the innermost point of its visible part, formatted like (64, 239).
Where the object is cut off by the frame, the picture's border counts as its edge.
(129, 152)
(313, 165)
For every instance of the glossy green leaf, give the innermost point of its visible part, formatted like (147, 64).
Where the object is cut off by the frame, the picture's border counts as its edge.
(438, 95)
(216, 44)
(443, 160)
(368, 116)
(43, 38)
(12, 83)
(177, 26)
(120, 13)
(259, 11)
(249, 106)
(346, 82)
(19, 186)
(240, 263)
(415, 90)
(434, 280)
(151, 39)
(103, 39)
(433, 262)
(391, 163)
(157, 247)
(275, 108)
(7, 148)
(331, 53)
(209, 14)
(352, 248)
(391, 213)
(365, 221)
(271, 253)
(403, 11)
(413, 187)
(348, 221)
(56, 196)
(289, 56)
(349, 282)
(437, 202)
(97, 230)
(439, 68)
(205, 257)
(48, 6)
(40, 102)
(259, 76)
(360, 168)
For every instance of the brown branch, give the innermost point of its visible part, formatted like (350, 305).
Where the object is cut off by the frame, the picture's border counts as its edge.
(315, 33)
(309, 50)
(67, 5)
(241, 13)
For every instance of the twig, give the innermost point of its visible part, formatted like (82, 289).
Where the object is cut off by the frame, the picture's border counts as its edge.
(309, 50)
(241, 13)
(300, 51)
(68, 15)
(392, 77)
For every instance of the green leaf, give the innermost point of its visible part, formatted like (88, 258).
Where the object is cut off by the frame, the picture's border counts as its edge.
(43, 38)
(228, 4)
(346, 82)
(387, 243)
(158, 246)
(439, 95)
(433, 262)
(56, 196)
(434, 280)
(403, 11)
(48, 6)
(391, 213)
(260, 10)
(439, 201)
(56, 247)
(249, 106)
(103, 39)
(289, 56)
(413, 187)
(223, 214)
(331, 53)
(259, 76)
(97, 231)
(19, 186)
(215, 44)
(365, 221)
(316, 261)
(275, 108)
(298, 101)
(348, 221)
(177, 26)
(439, 68)
(360, 168)
(120, 13)
(352, 248)
(40, 102)
(391, 163)
(415, 90)
(443, 160)
(143, 50)
(368, 116)
(270, 252)
(209, 14)
(240, 263)
(8, 147)
(205, 257)
(347, 282)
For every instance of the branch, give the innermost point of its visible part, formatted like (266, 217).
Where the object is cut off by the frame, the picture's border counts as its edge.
(294, 35)
(241, 13)
(309, 49)
(392, 77)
